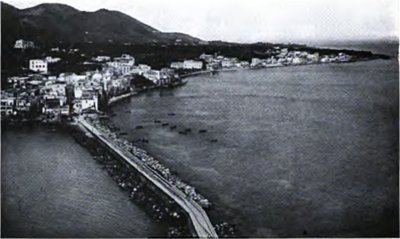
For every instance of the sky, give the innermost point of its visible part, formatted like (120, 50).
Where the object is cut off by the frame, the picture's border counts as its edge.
(300, 21)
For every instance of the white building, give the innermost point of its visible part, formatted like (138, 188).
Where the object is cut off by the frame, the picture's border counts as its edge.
(153, 75)
(313, 58)
(7, 104)
(101, 58)
(255, 62)
(50, 59)
(22, 44)
(191, 64)
(38, 65)
(298, 60)
(176, 65)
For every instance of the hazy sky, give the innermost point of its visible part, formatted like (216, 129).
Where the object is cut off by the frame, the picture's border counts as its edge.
(256, 20)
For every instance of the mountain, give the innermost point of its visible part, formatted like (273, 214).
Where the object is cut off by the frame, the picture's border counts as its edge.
(48, 24)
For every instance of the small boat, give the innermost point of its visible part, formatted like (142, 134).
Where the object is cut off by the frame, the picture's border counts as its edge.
(164, 124)
(139, 127)
(173, 127)
(157, 121)
(183, 132)
(213, 140)
(202, 131)
(171, 114)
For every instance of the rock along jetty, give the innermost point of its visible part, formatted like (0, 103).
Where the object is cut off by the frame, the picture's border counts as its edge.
(198, 217)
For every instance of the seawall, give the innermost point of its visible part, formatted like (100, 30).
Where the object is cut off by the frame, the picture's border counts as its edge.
(197, 218)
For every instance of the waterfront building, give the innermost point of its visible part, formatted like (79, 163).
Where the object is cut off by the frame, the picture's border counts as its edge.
(324, 59)
(298, 60)
(255, 62)
(313, 58)
(153, 75)
(192, 64)
(166, 76)
(38, 65)
(229, 62)
(22, 44)
(176, 65)
(343, 57)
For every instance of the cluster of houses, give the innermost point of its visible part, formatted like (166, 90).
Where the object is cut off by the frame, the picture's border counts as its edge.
(187, 65)
(214, 62)
(72, 93)
(276, 57)
(283, 57)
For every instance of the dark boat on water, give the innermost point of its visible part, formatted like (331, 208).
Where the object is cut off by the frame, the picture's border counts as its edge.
(164, 124)
(213, 140)
(202, 131)
(139, 127)
(157, 121)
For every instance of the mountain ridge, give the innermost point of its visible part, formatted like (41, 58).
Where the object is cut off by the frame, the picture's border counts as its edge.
(52, 23)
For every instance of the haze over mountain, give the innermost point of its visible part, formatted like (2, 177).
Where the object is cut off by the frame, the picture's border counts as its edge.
(48, 24)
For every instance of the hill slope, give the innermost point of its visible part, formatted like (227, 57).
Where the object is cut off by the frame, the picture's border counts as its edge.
(52, 23)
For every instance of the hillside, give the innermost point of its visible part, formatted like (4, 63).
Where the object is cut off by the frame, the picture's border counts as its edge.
(48, 24)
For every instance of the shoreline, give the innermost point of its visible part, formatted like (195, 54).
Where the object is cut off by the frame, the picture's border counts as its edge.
(203, 72)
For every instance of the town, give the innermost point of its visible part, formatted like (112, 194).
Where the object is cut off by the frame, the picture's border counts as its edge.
(49, 97)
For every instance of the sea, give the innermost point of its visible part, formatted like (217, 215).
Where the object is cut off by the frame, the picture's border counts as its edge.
(301, 151)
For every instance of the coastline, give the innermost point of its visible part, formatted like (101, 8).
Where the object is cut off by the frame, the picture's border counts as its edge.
(115, 99)
(203, 72)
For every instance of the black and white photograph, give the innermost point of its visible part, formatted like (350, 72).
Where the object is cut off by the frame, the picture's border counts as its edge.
(200, 118)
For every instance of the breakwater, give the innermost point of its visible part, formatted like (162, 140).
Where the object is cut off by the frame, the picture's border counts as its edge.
(198, 219)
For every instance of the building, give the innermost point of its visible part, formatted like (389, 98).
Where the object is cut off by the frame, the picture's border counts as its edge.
(176, 65)
(17, 82)
(298, 60)
(51, 60)
(191, 64)
(313, 58)
(167, 75)
(7, 104)
(206, 57)
(255, 62)
(153, 75)
(22, 44)
(244, 64)
(101, 58)
(324, 59)
(343, 57)
(38, 65)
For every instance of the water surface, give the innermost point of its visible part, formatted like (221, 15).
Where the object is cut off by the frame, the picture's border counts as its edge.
(51, 187)
(301, 151)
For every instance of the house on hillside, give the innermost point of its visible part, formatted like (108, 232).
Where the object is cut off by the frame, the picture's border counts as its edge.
(38, 65)
(22, 44)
